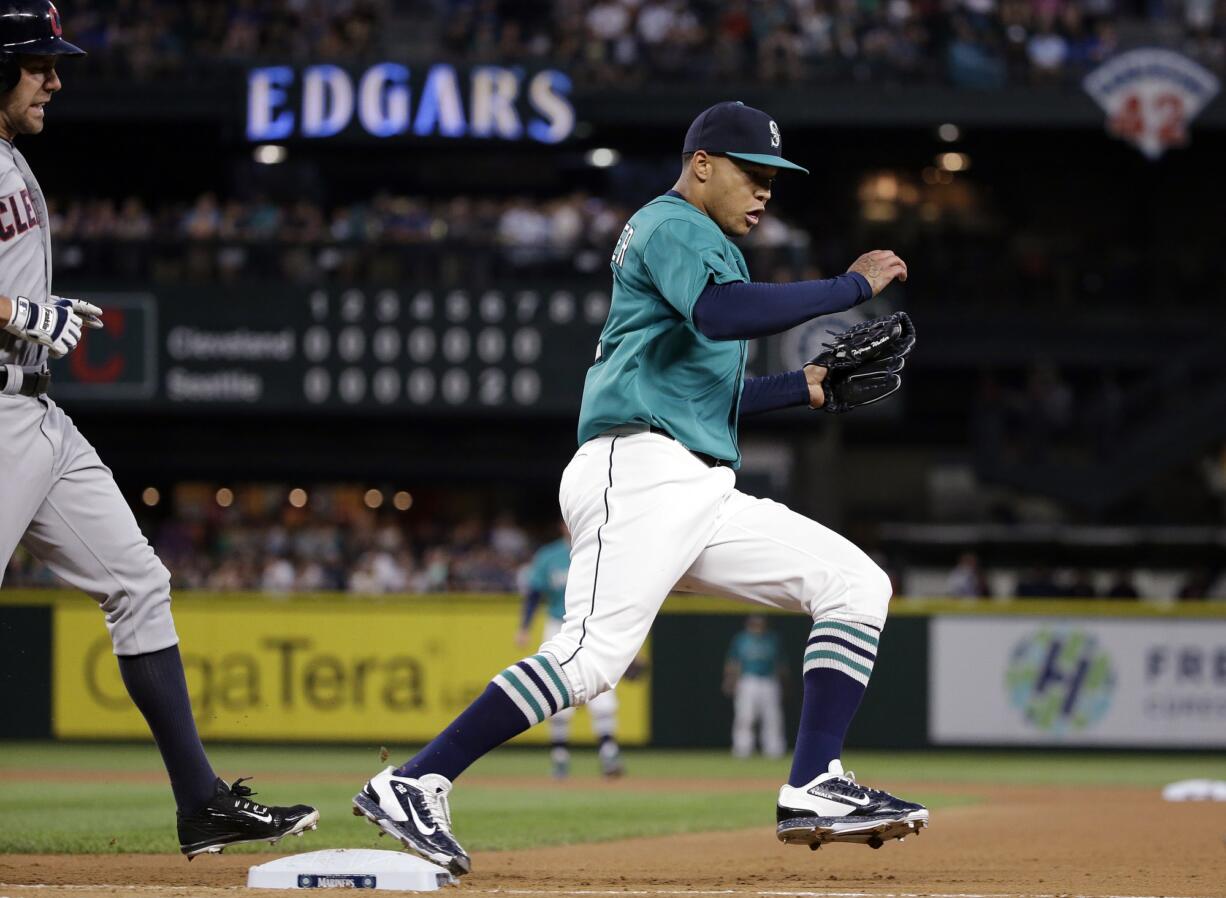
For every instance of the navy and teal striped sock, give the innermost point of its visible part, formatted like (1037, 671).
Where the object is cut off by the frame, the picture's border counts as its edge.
(838, 662)
(518, 698)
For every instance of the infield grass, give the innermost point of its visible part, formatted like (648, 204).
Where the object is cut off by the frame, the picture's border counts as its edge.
(112, 798)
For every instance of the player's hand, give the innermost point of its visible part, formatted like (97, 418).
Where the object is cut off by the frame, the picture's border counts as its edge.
(879, 268)
(521, 638)
(52, 325)
(90, 314)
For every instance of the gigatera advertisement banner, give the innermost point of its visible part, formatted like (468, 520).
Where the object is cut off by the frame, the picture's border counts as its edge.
(330, 670)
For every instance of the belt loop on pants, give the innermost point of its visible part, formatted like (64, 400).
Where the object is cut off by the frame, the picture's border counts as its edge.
(709, 460)
(18, 381)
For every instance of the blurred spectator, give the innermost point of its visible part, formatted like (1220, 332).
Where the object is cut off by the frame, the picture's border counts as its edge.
(1080, 585)
(1122, 587)
(1197, 585)
(966, 580)
(1037, 583)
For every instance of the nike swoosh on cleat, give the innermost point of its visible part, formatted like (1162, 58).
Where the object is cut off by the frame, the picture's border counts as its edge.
(421, 827)
(263, 818)
(861, 802)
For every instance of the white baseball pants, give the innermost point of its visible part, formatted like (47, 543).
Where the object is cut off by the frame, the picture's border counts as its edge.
(647, 516)
(758, 700)
(61, 502)
(602, 709)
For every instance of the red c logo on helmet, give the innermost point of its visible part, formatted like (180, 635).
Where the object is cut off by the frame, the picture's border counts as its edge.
(56, 28)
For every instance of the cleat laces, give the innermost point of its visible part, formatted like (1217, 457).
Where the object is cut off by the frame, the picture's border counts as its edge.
(849, 778)
(239, 791)
(436, 806)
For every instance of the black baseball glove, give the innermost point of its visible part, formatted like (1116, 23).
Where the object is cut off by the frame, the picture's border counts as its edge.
(890, 337)
(863, 363)
(848, 388)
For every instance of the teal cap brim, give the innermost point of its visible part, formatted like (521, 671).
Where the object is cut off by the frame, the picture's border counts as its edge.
(765, 159)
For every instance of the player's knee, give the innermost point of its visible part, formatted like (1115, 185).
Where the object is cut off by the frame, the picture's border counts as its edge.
(588, 677)
(138, 612)
(877, 591)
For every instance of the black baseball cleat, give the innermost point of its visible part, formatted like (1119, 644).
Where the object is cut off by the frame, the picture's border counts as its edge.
(835, 808)
(231, 818)
(416, 813)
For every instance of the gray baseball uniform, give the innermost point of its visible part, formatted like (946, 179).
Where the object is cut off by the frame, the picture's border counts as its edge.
(60, 500)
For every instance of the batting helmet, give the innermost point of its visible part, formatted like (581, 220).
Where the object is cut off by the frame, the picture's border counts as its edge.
(29, 27)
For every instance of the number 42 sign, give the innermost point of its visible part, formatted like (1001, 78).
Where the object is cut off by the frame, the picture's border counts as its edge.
(1150, 96)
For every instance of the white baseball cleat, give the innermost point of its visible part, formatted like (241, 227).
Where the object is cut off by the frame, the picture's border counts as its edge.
(416, 813)
(835, 808)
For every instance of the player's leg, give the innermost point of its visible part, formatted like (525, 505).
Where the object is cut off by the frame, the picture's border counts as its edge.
(25, 469)
(639, 510)
(603, 712)
(559, 743)
(764, 552)
(742, 718)
(85, 532)
(560, 723)
(774, 743)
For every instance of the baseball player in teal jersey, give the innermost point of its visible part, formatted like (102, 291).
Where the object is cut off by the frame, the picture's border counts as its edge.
(651, 503)
(546, 581)
(751, 678)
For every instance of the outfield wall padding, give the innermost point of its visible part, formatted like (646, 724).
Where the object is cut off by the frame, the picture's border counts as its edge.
(25, 671)
(363, 669)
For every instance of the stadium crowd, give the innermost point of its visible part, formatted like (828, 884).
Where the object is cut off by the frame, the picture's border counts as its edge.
(973, 43)
(276, 548)
(390, 238)
(148, 40)
(383, 238)
(337, 549)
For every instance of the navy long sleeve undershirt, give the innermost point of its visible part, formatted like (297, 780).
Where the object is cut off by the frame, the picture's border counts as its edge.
(743, 310)
(765, 394)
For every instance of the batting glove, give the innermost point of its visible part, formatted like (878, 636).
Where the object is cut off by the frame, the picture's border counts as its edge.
(53, 325)
(90, 314)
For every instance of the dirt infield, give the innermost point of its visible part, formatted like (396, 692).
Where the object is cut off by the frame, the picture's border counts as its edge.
(1020, 842)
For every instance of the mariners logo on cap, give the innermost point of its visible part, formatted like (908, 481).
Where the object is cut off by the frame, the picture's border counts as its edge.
(776, 139)
(56, 28)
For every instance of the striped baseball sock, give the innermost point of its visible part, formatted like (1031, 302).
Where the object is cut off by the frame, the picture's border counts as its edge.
(838, 662)
(518, 698)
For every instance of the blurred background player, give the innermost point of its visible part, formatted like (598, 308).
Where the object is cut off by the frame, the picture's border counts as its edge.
(753, 675)
(546, 581)
(60, 501)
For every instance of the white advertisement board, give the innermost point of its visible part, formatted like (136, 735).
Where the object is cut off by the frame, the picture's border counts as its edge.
(1131, 682)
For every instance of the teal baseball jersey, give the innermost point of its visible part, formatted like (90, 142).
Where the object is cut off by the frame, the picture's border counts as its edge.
(547, 575)
(756, 653)
(653, 366)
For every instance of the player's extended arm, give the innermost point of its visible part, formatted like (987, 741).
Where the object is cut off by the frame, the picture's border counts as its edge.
(531, 601)
(743, 311)
(732, 673)
(787, 390)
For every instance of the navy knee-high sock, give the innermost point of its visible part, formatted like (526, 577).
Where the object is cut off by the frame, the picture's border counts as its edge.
(520, 697)
(156, 683)
(838, 662)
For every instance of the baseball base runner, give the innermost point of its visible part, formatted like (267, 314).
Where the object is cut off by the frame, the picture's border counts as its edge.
(651, 502)
(60, 500)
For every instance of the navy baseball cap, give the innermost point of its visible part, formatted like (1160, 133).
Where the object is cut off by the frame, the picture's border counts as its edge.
(740, 131)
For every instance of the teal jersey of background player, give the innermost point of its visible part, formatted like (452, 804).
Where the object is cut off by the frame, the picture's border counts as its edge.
(653, 366)
(548, 576)
(757, 653)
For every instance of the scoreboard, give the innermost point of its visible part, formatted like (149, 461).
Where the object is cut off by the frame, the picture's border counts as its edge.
(367, 350)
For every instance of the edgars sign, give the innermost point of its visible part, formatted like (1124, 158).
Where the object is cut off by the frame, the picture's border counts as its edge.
(390, 100)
